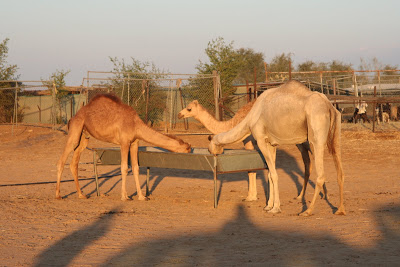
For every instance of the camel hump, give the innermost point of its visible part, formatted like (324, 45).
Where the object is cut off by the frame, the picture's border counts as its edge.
(108, 96)
(294, 87)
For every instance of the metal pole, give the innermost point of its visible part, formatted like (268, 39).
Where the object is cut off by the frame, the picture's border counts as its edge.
(147, 181)
(14, 117)
(374, 111)
(266, 71)
(255, 83)
(216, 95)
(320, 79)
(147, 88)
(129, 93)
(215, 182)
(95, 173)
(334, 91)
(87, 88)
(355, 84)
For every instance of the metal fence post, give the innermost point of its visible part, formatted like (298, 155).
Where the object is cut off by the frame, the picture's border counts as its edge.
(53, 110)
(216, 94)
(15, 111)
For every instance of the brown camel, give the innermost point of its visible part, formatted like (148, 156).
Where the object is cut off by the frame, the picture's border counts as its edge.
(107, 119)
(197, 111)
(290, 114)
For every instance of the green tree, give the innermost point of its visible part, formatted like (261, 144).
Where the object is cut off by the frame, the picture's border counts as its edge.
(248, 61)
(7, 96)
(7, 72)
(134, 82)
(280, 63)
(375, 64)
(57, 79)
(224, 59)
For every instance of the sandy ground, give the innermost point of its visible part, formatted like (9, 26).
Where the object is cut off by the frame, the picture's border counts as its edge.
(179, 225)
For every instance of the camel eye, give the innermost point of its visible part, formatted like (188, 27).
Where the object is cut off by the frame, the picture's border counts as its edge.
(189, 109)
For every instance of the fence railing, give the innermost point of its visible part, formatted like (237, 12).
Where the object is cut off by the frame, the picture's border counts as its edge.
(159, 97)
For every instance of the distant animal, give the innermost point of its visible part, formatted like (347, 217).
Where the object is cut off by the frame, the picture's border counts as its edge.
(107, 119)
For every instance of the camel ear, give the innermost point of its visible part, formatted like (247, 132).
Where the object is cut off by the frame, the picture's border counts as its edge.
(209, 138)
(195, 102)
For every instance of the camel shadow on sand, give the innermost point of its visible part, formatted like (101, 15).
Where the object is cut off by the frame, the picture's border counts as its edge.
(284, 161)
(238, 243)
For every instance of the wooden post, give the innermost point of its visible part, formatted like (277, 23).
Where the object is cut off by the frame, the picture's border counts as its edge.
(320, 79)
(266, 71)
(255, 83)
(147, 100)
(374, 112)
(334, 92)
(72, 106)
(290, 70)
(40, 114)
(355, 84)
(248, 90)
(129, 90)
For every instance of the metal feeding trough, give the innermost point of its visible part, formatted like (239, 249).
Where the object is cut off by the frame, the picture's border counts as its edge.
(232, 160)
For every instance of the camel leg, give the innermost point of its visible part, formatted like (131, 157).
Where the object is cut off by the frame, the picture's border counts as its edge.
(304, 148)
(75, 161)
(319, 167)
(124, 170)
(270, 202)
(135, 168)
(73, 140)
(269, 153)
(252, 193)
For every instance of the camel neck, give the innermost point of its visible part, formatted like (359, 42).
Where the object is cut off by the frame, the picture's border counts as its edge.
(213, 125)
(153, 137)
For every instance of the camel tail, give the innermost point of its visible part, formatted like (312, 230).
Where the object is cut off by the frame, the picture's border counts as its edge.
(334, 144)
(334, 132)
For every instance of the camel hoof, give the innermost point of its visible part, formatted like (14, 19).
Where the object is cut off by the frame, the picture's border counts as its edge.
(340, 212)
(305, 213)
(267, 208)
(143, 198)
(275, 211)
(249, 199)
(83, 196)
(58, 197)
(125, 198)
(299, 197)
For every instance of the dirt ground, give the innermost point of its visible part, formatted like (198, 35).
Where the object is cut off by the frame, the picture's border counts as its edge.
(179, 226)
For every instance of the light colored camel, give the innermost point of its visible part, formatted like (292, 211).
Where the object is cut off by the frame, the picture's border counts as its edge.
(107, 119)
(290, 114)
(197, 111)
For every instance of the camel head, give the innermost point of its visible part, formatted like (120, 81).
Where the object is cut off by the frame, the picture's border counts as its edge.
(183, 147)
(190, 111)
(215, 149)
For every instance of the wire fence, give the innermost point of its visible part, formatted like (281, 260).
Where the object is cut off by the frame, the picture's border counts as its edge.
(156, 97)
(159, 97)
(21, 102)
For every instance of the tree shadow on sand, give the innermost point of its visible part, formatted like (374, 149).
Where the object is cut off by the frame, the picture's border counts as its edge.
(238, 243)
(64, 251)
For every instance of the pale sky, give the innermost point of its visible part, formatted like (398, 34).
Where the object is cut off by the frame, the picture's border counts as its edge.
(81, 35)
